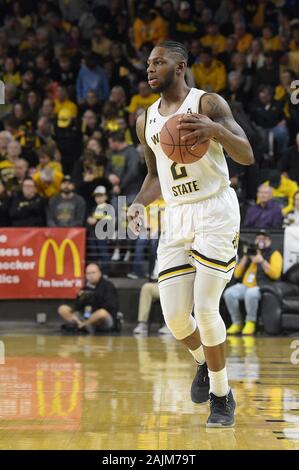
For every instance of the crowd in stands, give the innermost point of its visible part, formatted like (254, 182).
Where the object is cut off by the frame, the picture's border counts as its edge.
(75, 82)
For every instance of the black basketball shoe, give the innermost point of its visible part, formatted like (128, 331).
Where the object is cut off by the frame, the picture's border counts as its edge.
(222, 411)
(200, 385)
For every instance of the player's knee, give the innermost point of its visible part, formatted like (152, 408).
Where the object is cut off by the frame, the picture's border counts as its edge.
(211, 327)
(180, 325)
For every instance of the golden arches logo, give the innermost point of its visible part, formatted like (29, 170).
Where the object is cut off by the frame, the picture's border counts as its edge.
(59, 253)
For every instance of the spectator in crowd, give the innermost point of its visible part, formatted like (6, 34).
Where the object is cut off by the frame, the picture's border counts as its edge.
(21, 172)
(270, 41)
(142, 100)
(209, 74)
(66, 72)
(255, 58)
(149, 293)
(118, 98)
(4, 206)
(266, 213)
(235, 91)
(289, 163)
(149, 26)
(292, 218)
(7, 168)
(63, 102)
(100, 212)
(123, 167)
(91, 103)
(47, 109)
(268, 74)
(48, 175)
(283, 190)
(283, 94)
(260, 264)
(67, 209)
(91, 77)
(96, 305)
(14, 151)
(244, 39)
(91, 171)
(184, 27)
(89, 124)
(11, 75)
(268, 114)
(44, 131)
(239, 64)
(27, 209)
(214, 39)
(68, 139)
(100, 44)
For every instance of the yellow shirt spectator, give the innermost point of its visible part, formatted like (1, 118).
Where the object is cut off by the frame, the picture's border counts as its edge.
(210, 78)
(217, 42)
(249, 275)
(67, 104)
(272, 44)
(285, 190)
(144, 102)
(12, 78)
(48, 181)
(149, 29)
(244, 43)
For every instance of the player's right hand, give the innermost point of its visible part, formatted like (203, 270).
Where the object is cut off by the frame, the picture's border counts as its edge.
(135, 215)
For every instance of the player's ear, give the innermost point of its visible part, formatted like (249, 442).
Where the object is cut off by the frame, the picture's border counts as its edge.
(181, 66)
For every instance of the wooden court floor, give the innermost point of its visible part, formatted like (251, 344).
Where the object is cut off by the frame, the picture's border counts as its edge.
(133, 393)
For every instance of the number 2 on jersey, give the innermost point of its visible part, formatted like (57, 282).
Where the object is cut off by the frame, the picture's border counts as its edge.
(174, 172)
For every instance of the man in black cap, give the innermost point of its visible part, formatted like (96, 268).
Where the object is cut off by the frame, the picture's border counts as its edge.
(260, 264)
(67, 209)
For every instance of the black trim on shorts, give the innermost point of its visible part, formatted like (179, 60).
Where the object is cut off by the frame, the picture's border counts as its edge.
(175, 268)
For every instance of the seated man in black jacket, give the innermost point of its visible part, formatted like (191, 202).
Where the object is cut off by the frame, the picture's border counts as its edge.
(27, 209)
(96, 306)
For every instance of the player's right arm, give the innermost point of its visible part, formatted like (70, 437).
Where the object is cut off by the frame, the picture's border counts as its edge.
(150, 189)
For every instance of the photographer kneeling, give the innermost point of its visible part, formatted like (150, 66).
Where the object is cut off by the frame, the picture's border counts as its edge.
(260, 264)
(96, 306)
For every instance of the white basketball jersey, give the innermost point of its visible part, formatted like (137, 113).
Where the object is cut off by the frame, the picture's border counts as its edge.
(185, 183)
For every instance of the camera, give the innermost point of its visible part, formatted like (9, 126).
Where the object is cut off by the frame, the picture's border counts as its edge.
(249, 249)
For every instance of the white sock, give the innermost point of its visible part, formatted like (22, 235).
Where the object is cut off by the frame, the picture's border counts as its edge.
(198, 355)
(219, 382)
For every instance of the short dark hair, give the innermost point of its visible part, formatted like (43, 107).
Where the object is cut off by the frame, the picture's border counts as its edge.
(118, 136)
(175, 47)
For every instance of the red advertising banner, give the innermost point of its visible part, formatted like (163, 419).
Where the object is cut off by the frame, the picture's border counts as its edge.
(41, 262)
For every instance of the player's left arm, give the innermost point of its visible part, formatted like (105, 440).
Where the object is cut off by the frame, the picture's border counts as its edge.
(217, 122)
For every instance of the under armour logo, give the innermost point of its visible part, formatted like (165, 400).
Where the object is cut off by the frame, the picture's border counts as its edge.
(152, 120)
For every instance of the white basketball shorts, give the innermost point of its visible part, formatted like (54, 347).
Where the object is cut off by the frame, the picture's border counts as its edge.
(200, 236)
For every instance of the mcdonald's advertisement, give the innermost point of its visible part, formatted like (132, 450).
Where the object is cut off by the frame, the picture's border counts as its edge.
(41, 262)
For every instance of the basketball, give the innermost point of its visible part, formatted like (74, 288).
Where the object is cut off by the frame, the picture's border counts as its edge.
(176, 149)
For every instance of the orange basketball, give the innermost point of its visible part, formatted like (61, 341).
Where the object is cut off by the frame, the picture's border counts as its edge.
(179, 150)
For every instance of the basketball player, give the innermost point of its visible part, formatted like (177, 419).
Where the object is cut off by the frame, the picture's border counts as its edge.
(197, 253)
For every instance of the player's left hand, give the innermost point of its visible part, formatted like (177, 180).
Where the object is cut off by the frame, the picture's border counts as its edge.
(199, 125)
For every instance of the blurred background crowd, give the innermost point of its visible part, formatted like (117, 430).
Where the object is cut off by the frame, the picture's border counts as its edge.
(75, 82)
